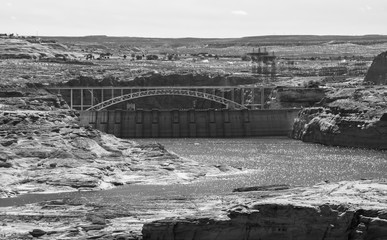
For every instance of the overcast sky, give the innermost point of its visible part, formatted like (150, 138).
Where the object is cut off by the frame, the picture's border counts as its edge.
(192, 18)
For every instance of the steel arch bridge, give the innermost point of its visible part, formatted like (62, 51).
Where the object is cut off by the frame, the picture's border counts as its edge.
(162, 92)
(92, 98)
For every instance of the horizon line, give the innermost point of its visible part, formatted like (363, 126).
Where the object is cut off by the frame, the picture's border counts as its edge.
(251, 36)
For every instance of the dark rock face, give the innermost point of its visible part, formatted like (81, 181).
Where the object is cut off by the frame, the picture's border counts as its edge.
(289, 97)
(377, 73)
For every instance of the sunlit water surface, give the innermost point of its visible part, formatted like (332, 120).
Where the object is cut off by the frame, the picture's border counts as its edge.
(274, 160)
(268, 160)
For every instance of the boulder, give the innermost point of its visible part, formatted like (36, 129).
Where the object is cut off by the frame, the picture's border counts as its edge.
(377, 73)
(37, 233)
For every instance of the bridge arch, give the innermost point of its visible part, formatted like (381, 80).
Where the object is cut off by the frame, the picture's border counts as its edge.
(163, 92)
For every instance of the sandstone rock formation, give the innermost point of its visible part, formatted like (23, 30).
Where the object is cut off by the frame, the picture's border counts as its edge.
(344, 210)
(347, 117)
(377, 73)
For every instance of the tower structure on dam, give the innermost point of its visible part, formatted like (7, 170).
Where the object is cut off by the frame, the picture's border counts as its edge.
(263, 63)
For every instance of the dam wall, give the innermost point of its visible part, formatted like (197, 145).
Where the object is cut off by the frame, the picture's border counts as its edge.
(191, 123)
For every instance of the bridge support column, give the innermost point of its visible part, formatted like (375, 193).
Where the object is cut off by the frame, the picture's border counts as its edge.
(92, 97)
(226, 123)
(81, 99)
(155, 123)
(176, 124)
(111, 122)
(102, 120)
(192, 123)
(139, 123)
(212, 123)
(128, 124)
(117, 123)
(246, 123)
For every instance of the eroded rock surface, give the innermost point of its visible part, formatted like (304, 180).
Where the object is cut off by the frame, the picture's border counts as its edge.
(347, 117)
(344, 210)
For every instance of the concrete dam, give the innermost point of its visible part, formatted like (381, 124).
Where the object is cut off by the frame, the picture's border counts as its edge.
(242, 114)
(193, 123)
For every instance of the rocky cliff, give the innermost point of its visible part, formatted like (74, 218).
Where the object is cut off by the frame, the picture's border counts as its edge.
(347, 117)
(377, 73)
(344, 210)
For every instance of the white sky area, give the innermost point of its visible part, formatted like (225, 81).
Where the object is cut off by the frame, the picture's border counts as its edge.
(193, 18)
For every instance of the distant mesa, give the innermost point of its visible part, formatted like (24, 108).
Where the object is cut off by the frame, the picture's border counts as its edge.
(377, 73)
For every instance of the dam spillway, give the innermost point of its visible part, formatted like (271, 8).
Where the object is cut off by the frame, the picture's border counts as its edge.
(192, 123)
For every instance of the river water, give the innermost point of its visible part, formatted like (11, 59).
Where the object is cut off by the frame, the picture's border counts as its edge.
(280, 160)
(264, 161)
